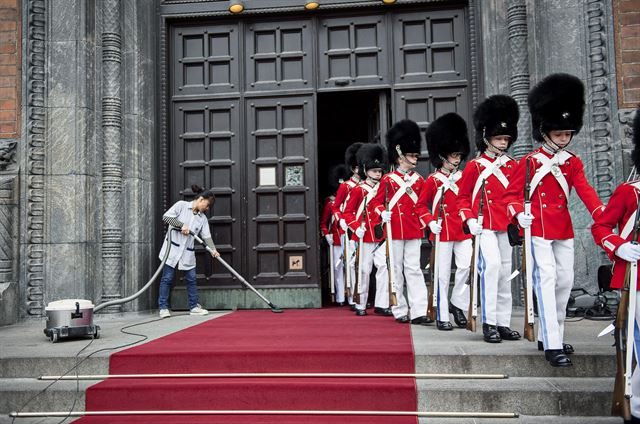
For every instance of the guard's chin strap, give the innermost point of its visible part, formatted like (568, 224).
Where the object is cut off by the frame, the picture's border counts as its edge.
(496, 150)
(404, 158)
(453, 169)
(553, 146)
(373, 181)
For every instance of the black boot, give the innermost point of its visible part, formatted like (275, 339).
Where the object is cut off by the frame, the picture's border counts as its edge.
(361, 312)
(633, 420)
(353, 307)
(508, 334)
(444, 325)
(458, 316)
(557, 358)
(424, 320)
(568, 349)
(491, 334)
(404, 319)
(383, 311)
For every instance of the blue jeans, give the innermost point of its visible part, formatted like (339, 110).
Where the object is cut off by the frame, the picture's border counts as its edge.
(165, 287)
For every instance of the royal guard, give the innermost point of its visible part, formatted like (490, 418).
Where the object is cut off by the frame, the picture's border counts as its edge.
(613, 231)
(339, 203)
(331, 232)
(448, 146)
(556, 105)
(362, 220)
(488, 176)
(396, 202)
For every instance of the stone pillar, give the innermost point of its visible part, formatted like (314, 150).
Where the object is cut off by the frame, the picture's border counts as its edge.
(112, 220)
(519, 72)
(32, 289)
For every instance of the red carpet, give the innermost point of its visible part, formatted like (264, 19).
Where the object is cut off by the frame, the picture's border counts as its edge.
(310, 340)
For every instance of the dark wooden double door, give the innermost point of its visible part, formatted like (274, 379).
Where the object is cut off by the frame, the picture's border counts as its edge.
(243, 120)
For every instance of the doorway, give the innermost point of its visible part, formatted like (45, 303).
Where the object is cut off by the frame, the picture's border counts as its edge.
(345, 118)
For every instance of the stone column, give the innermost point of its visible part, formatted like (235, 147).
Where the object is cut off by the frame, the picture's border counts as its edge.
(112, 220)
(33, 170)
(519, 72)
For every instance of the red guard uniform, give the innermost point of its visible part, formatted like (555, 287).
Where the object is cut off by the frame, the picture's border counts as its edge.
(443, 188)
(402, 191)
(329, 226)
(552, 176)
(620, 213)
(339, 203)
(356, 216)
(494, 261)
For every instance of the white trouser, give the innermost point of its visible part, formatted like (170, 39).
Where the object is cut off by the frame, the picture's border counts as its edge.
(352, 271)
(462, 250)
(494, 267)
(406, 258)
(338, 273)
(552, 283)
(367, 261)
(635, 377)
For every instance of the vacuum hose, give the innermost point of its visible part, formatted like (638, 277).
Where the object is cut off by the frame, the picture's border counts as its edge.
(153, 278)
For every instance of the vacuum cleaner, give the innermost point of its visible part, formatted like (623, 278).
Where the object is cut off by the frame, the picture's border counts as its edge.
(70, 318)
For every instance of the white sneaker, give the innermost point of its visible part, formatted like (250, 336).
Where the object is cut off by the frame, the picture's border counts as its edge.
(165, 313)
(198, 310)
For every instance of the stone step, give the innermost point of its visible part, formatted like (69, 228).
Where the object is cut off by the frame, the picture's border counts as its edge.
(30, 395)
(523, 395)
(34, 367)
(522, 419)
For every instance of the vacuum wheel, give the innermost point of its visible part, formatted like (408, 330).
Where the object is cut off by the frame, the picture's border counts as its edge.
(54, 337)
(96, 334)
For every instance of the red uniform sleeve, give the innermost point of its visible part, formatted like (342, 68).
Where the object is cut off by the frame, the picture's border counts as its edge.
(514, 195)
(350, 210)
(584, 190)
(610, 218)
(341, 195)
(425, 199)
(377, 203)
(469, 176)
(325, 218)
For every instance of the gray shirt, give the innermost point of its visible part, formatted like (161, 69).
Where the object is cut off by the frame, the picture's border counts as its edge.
(182, 252)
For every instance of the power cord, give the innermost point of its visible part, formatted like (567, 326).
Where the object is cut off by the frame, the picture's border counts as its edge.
(77, 364)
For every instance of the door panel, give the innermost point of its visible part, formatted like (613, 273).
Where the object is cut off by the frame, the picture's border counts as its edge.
(282, 179)
(205, 59)
(430, 47)
(205, 151)
(276, 55)
(353, 51)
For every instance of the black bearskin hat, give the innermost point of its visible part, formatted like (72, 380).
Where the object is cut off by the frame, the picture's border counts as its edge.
(496, 115)
(350, 155)
(337, 175)
(635, 154)
(556, 103)
(371, 156)
(446, 135)
(406, 135)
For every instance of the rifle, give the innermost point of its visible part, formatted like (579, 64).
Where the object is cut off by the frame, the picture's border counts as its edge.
(332, 277)
(472, 313)
(527, 262)
(393, 300)
(356, 294)
(433, 283)
(346, 268)
(625, 323)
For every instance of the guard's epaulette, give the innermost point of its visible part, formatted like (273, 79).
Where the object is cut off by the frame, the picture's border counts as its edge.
(570, 152)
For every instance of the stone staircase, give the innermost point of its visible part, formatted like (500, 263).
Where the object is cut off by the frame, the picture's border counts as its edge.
(535, 390)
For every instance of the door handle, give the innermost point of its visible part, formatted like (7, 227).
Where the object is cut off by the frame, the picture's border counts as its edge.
(342, 82)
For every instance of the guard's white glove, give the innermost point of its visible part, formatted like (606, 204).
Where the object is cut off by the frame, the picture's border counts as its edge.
(329, 239)
(343, 225)
(474, 228)
(435, 227)
(360, 232)
(524, 220)
(628, 251)
(386, 216)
